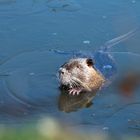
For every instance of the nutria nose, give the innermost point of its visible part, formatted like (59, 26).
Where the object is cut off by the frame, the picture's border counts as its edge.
(61, 71)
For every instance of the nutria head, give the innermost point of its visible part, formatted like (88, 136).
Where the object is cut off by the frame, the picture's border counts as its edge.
(79, 75)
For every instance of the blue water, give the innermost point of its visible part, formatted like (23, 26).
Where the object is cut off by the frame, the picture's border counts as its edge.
(30, 31)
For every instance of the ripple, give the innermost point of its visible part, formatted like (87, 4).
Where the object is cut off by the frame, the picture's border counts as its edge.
(30, 87)
(63, 5)
(13, 8)
(31, 78)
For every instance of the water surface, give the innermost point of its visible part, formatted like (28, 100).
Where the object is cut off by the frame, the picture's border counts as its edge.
(29, 32)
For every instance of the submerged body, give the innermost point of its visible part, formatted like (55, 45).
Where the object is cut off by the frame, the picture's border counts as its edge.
(91, 71)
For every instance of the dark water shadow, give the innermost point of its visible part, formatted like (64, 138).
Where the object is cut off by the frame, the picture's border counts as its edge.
(69, 103)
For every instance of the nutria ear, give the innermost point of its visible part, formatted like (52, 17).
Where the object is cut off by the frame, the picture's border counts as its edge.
(90, 62)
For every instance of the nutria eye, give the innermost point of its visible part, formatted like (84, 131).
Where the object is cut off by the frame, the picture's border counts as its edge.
(90, 62)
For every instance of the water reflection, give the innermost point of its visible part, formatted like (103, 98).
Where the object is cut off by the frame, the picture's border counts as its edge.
(129, 83)
(69, 103)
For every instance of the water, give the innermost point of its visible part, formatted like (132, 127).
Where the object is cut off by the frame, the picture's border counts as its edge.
(29, 32)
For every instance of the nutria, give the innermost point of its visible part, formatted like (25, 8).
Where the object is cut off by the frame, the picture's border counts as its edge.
(91, 71)
(79, 74)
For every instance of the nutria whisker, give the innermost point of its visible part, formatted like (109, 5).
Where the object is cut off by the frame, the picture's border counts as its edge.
(74, 84)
